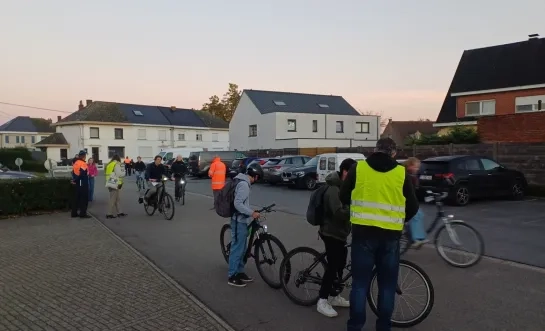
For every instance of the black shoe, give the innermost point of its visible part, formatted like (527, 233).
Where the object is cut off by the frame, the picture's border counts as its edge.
(121, 215)
(245, 278)
(140, 200)
(74, 215)
(235, 281)
(111, 216)
(85, 216)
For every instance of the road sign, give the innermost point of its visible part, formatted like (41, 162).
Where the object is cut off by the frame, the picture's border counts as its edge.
(48, 164)
(19, 162)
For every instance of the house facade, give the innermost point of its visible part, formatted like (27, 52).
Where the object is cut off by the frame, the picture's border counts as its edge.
(403, 132)
(495, 81)
(277, 120)
(105, 129)
(24, 131)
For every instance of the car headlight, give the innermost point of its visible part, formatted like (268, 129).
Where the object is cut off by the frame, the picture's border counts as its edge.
(300, 173)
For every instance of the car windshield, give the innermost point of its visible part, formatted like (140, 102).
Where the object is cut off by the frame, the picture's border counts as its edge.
(273, 161)
(312, 162)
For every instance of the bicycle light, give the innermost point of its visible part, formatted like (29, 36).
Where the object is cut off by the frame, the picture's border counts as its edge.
(264, 228)
(182, 181)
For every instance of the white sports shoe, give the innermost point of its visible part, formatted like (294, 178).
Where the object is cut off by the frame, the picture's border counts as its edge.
(339, 301)
(324, 308)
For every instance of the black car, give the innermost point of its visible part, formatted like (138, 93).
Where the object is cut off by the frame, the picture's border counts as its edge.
(302, 177)
(467, 177)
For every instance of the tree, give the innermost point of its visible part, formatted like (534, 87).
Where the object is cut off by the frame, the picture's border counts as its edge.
(224, 108)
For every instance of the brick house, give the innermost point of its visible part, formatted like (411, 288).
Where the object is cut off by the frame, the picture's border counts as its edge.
(497, 81)
(403, 131)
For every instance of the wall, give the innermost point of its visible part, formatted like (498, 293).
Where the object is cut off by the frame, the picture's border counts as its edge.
(524, 127)
(505, 101)
(28, 139)
(245, 115)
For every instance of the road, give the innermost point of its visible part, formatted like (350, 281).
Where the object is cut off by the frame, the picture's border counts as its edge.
(493, 295)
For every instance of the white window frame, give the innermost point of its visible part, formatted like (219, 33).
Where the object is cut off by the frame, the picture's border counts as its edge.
(91, 132)
(342, 127)
(215, 136)
(198, 135)
(181, 136)
(141, 134)
(480, 102)
(360, 126)
(252, 130)
(294, 121)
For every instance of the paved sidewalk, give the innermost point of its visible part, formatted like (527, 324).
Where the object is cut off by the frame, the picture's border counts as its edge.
(58, 273)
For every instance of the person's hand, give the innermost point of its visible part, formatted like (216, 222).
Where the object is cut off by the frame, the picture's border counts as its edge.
(256, 215)
(172, 178)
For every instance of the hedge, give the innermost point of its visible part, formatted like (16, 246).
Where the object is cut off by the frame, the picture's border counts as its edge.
(8, 156)
(34, 196)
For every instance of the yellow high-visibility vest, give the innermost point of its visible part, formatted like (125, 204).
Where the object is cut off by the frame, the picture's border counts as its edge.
(109, 169)
(377, 198)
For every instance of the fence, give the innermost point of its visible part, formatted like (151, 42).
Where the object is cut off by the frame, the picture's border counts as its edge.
(526, 157)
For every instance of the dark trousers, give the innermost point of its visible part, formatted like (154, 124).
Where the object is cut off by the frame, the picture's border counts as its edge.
(216, 193)
(127, 170)
(366, 254)
(81, 199)
(336, 254)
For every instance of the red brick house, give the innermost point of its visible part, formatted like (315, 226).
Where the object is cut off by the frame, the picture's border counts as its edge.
(497, 81)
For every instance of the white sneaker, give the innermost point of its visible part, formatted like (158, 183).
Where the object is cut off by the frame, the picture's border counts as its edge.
(339, 301)
(419, 243)
(324, 308)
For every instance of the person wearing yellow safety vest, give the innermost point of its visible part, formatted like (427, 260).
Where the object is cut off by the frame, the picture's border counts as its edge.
(381, 198)
(113, 173)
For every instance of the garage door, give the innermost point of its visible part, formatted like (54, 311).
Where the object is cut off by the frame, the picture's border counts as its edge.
(146, 152)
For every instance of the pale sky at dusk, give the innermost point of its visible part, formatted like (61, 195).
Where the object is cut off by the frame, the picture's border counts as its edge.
(396, 57)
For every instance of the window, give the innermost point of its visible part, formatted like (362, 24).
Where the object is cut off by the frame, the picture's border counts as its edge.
(16, 139)
(322, 164)
(252, 130)
(339, 127)
(116, 150)
(214, 137)
(279, 103)
(94, 133)
(314, 125)
(181, 136)
(529, 103)
(64, 153)
(22, 139)
(292, 125)
(479, 108)
(472, 165)
(362, 127)
(162, 134)
(489, 164)
(199, 137)
(323, 105)
(33, 139)
(137, 113)
(118, 133)
(6, 139)
(331, 163)
(524, 108)
(142, 134)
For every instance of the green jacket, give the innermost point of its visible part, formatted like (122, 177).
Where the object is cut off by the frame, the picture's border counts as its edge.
(337, 217)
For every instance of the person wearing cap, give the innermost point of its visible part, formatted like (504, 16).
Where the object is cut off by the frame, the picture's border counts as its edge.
(80, 179)
(381, 198)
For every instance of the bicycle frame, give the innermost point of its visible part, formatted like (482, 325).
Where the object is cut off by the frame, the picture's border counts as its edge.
(256, 229)
(444, 218)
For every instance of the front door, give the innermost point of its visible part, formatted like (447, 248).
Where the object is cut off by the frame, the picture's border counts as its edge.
(94, 154)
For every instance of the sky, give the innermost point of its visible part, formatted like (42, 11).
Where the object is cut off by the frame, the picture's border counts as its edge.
(396, 57)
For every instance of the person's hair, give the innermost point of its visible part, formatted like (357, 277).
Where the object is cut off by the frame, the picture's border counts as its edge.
(411, 161)
(157, 156)
(346, 164)
(90, 159)
(386, 146)
(116, 158)
(138, 157)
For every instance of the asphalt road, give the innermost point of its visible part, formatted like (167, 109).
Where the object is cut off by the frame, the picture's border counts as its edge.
(493, 295)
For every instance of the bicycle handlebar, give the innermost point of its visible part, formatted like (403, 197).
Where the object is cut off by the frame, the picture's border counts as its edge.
(267, 209)
(435, 196)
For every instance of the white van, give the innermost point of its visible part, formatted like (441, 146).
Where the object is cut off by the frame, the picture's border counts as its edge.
(327, 163)
(170, 153)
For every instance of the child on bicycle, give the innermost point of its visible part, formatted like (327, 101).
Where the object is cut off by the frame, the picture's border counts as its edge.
(418, 233)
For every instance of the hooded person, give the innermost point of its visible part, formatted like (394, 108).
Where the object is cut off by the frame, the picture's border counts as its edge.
(217, 173)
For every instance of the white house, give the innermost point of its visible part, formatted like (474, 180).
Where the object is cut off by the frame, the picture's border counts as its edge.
(108, 128)
(276, 120)
(24, 131)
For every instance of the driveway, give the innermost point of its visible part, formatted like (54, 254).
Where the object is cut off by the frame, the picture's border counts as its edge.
(493, 295)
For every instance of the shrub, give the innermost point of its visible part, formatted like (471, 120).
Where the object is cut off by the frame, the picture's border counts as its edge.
(31, 196)
(8, 156)
(458, 135)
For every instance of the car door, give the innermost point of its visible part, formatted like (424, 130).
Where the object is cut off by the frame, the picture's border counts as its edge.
(476, 177)
(498, 182)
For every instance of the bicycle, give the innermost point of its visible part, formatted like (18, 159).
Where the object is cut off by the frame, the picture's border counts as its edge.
(180, 194)
(449, 226)
(311, 276)
(140, 183)
(258, 235)
(163, 202)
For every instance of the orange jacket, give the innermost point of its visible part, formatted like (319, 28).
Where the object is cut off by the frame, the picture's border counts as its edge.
(217, 172)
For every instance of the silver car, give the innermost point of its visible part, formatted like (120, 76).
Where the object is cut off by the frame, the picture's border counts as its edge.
(272, 170)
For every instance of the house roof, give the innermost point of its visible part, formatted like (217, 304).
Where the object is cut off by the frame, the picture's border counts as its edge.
(27, 124)
(102, 111)
(54, 139)
(502, 66)
(287, 102)
(406, 128)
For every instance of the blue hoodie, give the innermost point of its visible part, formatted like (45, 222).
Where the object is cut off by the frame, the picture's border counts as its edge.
(242, 200)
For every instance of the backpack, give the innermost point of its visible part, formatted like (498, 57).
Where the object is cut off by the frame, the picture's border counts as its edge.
(224, 202)
(316, 208)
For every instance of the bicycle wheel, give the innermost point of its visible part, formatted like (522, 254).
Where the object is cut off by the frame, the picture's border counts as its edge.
(304, 276)
(225, 241)
(149, 208)
(401, 317)
(183, 196)
(166, 205)
(266, 257)
(459, 244)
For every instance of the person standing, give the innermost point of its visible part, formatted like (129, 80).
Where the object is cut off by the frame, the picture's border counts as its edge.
(80, 179)
(381, 199)
(113, 170)
(93, 172)
(127, 162)
(217, 173)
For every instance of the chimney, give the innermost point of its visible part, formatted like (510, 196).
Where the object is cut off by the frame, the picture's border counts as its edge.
(389, 120)
(88, 102)
(172, 108)
(59, 118)
(533, 36)
(80, 106)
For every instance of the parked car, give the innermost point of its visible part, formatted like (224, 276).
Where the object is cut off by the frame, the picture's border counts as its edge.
(466, 177)
(8, 174)
(199, 162)
(239, 165)
(273, 169)
(302, 177)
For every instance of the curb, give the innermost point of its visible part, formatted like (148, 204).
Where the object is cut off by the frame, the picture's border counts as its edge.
(166, 277)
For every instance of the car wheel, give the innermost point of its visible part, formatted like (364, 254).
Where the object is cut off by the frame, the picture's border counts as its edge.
(461, 195)
(310, 183)
(517, 190)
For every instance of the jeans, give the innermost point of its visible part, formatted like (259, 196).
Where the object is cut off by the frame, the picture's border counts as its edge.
(140, 174)
(366, 254)
(91, 188)
(239, 235)
(417, 226)
(336, 253)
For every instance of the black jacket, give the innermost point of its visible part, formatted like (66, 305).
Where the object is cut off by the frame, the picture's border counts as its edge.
(178, 168)
(154, 171)
(382, 163)
(337, 217)
(139, 166)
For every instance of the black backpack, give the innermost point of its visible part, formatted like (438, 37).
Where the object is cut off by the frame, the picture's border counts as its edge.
(316, 208)
(224, 202)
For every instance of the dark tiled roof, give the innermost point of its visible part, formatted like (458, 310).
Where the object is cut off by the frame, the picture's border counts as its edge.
(510, 65)
(183, 117)
(54, 139)
(299, 103)
(98, 111)
(211, 121)
(27, 124)
(406, 128)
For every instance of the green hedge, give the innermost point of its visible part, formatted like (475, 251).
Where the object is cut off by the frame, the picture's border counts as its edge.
(34, 196)
(8, 156)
